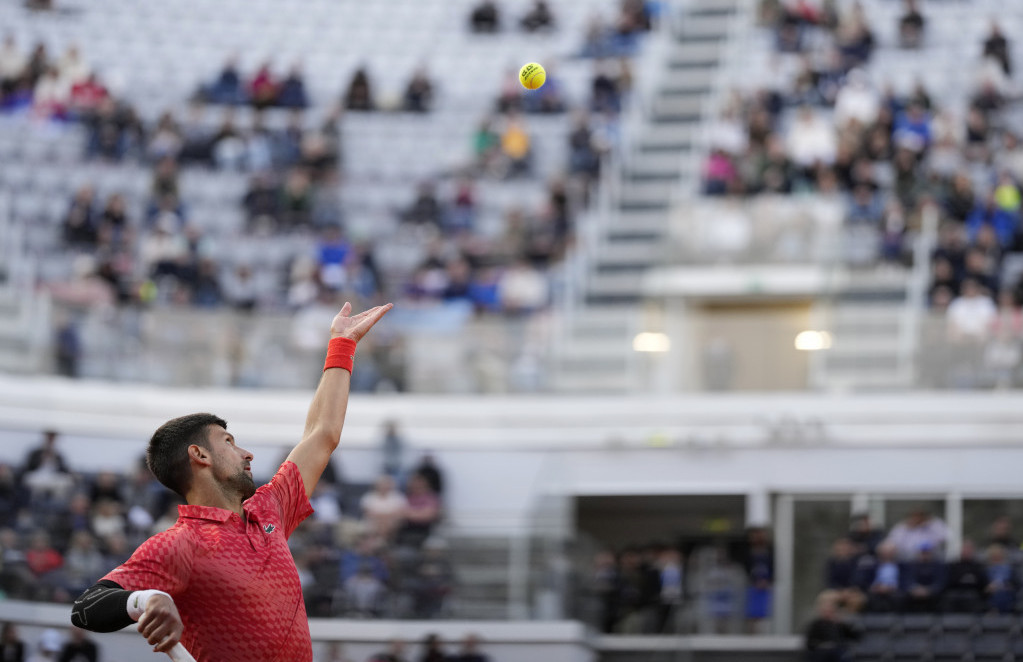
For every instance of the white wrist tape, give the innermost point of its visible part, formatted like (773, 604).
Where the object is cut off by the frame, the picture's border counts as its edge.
(137, 602)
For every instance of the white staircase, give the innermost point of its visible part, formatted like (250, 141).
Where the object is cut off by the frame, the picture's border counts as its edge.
(628, 237)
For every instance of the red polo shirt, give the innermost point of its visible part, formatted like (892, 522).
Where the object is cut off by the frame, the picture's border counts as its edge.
(232, 578)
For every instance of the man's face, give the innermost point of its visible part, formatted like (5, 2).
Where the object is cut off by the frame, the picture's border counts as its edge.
(231, 463)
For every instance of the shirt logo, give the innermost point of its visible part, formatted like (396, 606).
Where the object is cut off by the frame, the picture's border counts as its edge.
(269, 528)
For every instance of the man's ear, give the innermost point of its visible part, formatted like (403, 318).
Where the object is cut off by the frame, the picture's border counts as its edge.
(199, 455)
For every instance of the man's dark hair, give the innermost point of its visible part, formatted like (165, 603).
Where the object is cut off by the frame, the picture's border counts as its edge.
(167, 455)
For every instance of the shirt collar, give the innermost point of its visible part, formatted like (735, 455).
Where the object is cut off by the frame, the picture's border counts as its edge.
(205, 512)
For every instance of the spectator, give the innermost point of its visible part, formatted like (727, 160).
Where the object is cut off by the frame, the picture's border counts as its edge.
(291, 93)
(1001, 533)
(996, 47)
(539, 17)
(828, 637)
(227, 88)
(12, 65)
(760, 577)
(924, 580)
(107, 518)
(364, 555)
(206, 289)
(719, 173)
(241, 290)
(918, 529)
(392, 447)
(50, 645)
(12, 498)
(485, 18)
(432, 581)
(971, 314)
(359, 96)
(106, 486)
(263, 88)
(42, 558)
(12, 648)
(79, 648)
(86, 96)
(606, 88)
(365, 594)
(45, 472)
(883, 581)
(395, 653)
(522, 289)
(516, 147)
(966, 584)
(426, 208)
(1002, 583)
(672, 595)
(856, 103)
(296, 204)
(584, 156)
(960, 199)
(422, 512)
(50, 96)
(83, 564)
(811, 140)
(80, 223)
(462, 210)
(911, 26)
(431, 473)
(383, 508)
(913, 130)
(486, 144)
(470, 650)
(841, 574)
(16, 578)
(433, 650)
(419, 92)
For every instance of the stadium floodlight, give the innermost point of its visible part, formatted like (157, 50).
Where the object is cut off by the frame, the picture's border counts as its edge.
(649, 341)
(812, 341)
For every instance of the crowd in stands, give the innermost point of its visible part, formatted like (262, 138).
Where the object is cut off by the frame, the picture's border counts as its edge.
(655, 589)
(140, 253)
(819, 124)
(367, 552)
(906, 571)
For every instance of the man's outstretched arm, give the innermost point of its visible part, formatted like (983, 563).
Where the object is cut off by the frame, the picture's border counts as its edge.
(326, 414)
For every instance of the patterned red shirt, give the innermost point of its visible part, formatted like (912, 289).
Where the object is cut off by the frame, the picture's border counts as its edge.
(233, 579)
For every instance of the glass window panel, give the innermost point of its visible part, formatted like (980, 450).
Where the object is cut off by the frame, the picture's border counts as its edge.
(818, 523)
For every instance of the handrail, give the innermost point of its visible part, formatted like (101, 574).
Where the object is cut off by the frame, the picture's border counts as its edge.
(916, 295)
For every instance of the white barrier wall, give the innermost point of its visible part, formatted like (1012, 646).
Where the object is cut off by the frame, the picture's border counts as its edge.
(501, 453)
(503, 642)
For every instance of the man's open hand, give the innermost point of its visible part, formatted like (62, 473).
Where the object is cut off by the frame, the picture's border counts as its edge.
(354, 327)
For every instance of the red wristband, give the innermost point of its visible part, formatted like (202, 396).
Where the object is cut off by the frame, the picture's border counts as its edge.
(340, 354)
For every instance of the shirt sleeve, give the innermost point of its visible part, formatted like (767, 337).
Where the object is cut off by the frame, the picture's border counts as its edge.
(164, 562)
(289, 491)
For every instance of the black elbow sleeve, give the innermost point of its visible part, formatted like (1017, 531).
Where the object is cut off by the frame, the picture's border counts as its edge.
(102, 608)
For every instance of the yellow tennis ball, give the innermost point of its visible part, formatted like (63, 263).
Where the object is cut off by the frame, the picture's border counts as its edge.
(532, 76)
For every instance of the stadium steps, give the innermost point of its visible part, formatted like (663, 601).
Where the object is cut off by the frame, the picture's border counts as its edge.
(866, 333)
(597, 355)
(19, 342)
(481, 577)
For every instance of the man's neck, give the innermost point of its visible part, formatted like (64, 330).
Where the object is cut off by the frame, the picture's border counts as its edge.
(214, 498)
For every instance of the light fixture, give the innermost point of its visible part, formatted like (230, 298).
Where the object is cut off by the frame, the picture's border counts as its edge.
(812, 341)
(649, 341)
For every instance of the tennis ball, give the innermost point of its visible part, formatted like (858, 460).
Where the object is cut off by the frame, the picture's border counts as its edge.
(532, 76)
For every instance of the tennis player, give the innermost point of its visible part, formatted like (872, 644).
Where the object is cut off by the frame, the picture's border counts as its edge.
(222, 580)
